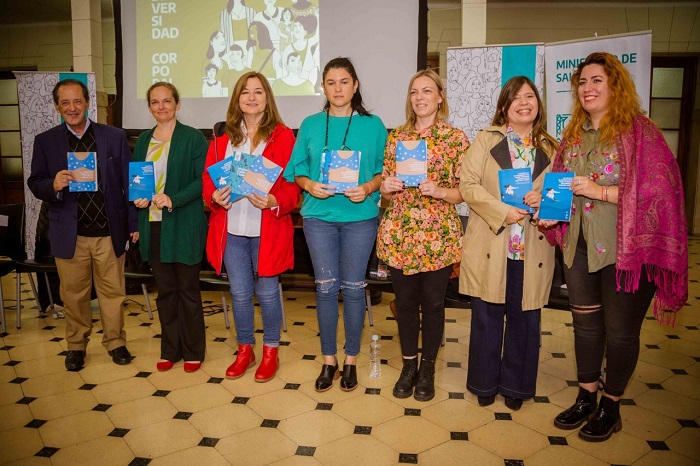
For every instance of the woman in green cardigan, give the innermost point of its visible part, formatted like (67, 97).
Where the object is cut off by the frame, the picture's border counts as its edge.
(172, 227)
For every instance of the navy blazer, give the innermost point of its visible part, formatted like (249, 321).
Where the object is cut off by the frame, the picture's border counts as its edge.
(50, 156)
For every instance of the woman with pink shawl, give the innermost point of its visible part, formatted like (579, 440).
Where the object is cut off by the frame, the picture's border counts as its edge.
(626, 241)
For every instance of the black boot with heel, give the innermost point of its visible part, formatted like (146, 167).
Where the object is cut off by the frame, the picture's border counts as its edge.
(582, 410)
(425, 385)
(605, 422)
(407, 379)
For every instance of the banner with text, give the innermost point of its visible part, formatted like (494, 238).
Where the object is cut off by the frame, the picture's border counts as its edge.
(633, 50)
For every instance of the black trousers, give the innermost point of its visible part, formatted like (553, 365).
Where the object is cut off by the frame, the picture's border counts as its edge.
(607, 323)
(422, 292)
(504, 364)
(179, 304)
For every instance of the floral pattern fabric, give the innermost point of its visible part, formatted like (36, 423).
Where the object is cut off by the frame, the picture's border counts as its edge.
(522, 155)
(597, 219)
(420, 233)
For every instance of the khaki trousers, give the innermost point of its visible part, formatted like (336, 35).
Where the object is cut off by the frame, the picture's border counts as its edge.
(94, 261)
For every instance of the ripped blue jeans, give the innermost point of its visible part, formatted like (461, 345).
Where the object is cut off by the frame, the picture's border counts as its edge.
(340, 253)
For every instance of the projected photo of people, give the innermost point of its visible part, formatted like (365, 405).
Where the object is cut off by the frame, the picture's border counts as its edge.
(293, 83)
(285, 28)
(271, 17)
(263, 57)
(234, 37)
(238, 66)
(212, 86)
(235, 20)
(305, 43)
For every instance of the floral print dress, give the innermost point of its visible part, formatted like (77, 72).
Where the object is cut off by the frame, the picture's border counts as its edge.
(420, 233)
(522, 155)
(597, 220)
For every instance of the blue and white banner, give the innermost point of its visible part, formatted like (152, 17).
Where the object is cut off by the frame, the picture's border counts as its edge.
(562, 58)
(36, 115)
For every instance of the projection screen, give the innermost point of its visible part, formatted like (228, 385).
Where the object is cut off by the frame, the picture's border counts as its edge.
(202, 47)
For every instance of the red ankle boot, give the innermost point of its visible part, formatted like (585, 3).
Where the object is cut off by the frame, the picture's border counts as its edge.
(269, 365)
(244, 360)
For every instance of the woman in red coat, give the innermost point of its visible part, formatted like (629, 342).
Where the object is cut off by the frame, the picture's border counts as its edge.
(253, 236)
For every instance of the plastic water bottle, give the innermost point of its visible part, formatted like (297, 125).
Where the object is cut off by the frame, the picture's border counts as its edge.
(375, 357)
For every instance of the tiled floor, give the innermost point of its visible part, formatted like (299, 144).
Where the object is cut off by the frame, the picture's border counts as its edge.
(109, 414)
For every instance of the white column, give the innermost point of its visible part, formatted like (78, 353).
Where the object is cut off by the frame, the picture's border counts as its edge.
(87, 47)
(473, 22)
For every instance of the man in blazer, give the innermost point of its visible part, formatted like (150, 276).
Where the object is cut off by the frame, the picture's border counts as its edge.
(88, 231)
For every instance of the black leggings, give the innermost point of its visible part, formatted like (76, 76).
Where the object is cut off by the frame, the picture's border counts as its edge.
(606, 322)
(423, 292)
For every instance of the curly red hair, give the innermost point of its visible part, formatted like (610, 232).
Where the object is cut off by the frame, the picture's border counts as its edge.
(623, 106)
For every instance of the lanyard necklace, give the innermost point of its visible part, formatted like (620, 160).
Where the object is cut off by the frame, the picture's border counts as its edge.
(343, 146)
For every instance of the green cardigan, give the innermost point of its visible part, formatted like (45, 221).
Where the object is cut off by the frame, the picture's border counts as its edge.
(184, 230)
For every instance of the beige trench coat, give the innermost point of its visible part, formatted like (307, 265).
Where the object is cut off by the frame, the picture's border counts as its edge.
(485, 243)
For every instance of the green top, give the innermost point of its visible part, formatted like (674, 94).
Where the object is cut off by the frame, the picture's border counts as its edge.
(184, 230)
(601, 164)
(366, 134)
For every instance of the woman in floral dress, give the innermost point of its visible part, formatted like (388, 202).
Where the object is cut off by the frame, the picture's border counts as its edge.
(420, 235)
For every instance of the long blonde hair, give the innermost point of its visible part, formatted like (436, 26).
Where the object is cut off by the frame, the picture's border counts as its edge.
(442, 113)
(234, 116)
(623, 101)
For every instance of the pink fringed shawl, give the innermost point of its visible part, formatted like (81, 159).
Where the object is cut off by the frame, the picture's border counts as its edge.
(651, 222)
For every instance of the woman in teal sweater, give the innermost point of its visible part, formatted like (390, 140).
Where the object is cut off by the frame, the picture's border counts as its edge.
(172, 227)
(340, 227)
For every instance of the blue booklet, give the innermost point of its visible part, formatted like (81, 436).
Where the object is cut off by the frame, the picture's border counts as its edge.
(341, 169)
(557, 197)
(84, 168)
(142, 180)
(230, 171)
(219, 172)
(411, 162)
(259, 177)
(514, 184)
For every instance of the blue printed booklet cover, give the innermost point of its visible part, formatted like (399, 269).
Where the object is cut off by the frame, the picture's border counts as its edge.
(557, 197)
(84, 168)
(142, 180)
(341, 169)
(411, 162)
(514, 184)
(230, 171)
(219, 172)
(259, 177)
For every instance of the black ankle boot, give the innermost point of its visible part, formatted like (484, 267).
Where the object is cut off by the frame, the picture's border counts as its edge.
(584, 408)
(407, 379)
(605, 422)
(425, 385)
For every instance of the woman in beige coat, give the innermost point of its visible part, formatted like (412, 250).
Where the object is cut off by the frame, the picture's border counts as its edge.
(507, 264)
